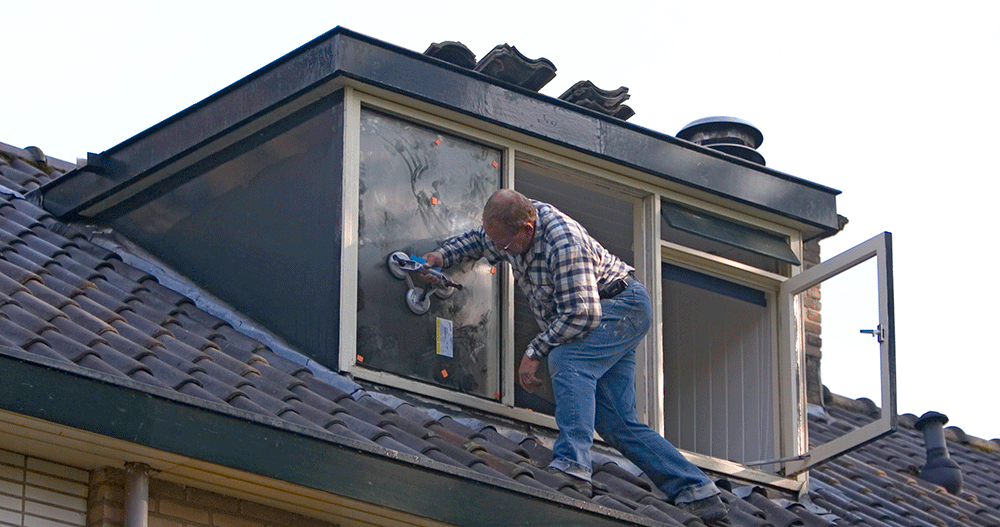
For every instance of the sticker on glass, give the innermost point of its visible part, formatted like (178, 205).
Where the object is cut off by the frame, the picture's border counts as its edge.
(445, 337)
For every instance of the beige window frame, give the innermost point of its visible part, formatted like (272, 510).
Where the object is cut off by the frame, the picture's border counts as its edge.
(645, 192)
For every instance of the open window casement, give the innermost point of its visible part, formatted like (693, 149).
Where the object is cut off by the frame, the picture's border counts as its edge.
(803, 456)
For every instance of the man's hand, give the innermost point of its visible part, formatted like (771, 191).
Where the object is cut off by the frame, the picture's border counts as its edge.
(526, 374)
(432, 259)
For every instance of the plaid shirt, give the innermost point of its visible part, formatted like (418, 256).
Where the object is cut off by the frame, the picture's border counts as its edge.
(560, 274)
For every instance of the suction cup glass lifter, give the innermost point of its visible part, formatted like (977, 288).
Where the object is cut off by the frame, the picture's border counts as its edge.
(419, 299)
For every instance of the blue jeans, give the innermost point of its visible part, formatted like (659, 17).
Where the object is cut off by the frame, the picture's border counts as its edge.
(594, 383)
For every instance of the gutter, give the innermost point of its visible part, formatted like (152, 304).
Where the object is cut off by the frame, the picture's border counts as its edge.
(120, 408)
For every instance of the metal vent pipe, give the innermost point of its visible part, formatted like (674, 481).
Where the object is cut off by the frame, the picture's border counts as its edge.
(731, 135)
(939, 468)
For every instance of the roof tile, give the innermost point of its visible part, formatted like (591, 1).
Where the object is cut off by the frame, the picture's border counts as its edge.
(18, 274)
(193, 318)
(40, 241)
(34, 324)
(94, 362)
(774, 513)
(127, 346)
(211, 369)
(115, 286)
(39, 347)
(25, 222)
(35, 260)
(18, 336)
(159, 292)
(65, 260)
(119, 361)
(195, 341)
(67, 299)
(80, 256)
(280, 363)
(128, 272)
(97, 310)
(76, 313)
(313, 414)
(35, 305)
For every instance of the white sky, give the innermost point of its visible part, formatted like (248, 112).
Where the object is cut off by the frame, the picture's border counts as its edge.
(894, 103)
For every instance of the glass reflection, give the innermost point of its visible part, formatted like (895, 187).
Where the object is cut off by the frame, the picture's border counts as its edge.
(419, 187)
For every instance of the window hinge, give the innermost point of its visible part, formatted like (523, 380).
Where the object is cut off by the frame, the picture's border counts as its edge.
(799, 457)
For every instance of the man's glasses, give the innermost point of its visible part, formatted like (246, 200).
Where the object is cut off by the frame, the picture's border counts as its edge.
(504, 248)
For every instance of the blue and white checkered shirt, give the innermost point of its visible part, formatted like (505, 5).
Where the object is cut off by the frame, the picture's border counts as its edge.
(560, 274)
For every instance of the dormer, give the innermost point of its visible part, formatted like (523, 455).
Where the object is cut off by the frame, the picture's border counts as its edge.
(286, 194)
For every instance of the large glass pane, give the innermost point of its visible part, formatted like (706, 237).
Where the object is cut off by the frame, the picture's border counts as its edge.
(419, 187)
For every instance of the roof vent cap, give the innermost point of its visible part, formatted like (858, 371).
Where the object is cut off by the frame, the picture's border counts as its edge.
(731, 135)
(939, 468)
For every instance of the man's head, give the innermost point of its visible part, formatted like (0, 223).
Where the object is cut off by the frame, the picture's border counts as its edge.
(509, 221)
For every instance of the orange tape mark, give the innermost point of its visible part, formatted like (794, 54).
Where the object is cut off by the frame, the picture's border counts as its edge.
(444, 373)
(360, 358)
(434, 201)
(495, 164)
(437, 142)
(496, 395)
(493, 270)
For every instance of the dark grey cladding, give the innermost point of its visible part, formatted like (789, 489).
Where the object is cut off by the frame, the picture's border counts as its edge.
(453, 52)
(588, 95)
(507, 64)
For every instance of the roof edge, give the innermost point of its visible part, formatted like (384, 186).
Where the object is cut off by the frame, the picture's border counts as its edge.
(246, 106)
(69, 395)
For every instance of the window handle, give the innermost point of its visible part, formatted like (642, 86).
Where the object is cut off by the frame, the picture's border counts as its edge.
(878, 333)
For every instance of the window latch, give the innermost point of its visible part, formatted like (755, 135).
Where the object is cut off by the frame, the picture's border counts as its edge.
(878, 333)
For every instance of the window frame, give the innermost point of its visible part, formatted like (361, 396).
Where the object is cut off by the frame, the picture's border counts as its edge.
(356, 98)
(802, 457)
(646, 193)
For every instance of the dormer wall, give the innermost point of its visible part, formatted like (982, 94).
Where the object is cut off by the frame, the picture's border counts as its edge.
(285, 193)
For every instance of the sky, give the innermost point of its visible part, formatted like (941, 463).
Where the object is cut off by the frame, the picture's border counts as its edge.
(893, 103)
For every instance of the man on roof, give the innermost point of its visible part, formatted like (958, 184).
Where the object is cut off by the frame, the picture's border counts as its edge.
(593, 313)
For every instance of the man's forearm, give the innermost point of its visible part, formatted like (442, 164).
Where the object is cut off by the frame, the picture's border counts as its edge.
(467, 246)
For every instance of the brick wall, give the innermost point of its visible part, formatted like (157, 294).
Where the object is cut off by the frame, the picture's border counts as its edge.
(175, 505)
(39, 493)
(812, 320)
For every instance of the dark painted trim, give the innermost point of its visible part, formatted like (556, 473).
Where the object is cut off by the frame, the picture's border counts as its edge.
(343, 53)
(123, 409)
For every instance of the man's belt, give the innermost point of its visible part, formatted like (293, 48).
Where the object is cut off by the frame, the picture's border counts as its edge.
(614, 287)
